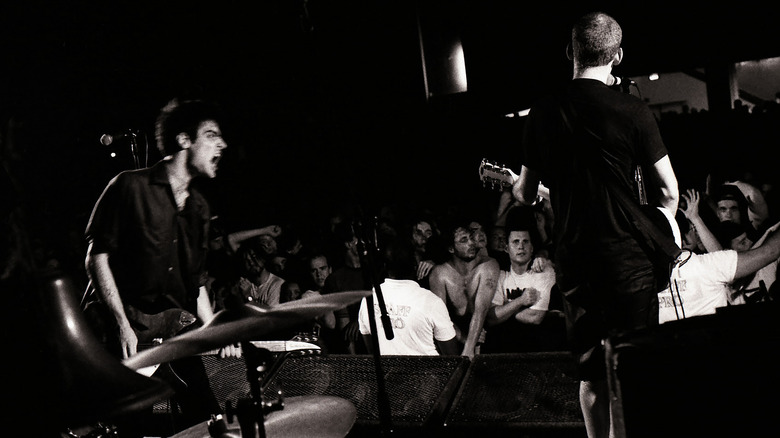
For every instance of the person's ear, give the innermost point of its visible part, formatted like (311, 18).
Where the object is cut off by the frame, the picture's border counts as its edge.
(184, 140)
(618, 57)
(569, 52)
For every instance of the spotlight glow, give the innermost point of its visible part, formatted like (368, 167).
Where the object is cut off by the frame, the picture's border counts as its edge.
(459, 67)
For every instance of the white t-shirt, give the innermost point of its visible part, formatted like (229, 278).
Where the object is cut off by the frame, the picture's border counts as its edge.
(541, 281)
(267, 293)
(699, 285)
(418, 316)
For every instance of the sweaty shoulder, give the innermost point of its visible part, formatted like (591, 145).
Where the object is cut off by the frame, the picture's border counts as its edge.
(440, 272)
(488, 262)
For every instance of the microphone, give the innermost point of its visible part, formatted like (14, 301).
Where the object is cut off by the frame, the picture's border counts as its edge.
(107, 139)
(620, 83)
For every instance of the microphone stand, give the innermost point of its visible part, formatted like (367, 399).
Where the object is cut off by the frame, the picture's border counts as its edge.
(366, 253)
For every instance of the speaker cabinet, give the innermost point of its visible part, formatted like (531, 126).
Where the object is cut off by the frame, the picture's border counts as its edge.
(529, 392)
(419, 388)
(713, 375)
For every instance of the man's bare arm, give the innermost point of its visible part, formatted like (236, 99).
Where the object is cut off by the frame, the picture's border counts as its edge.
(526, 187)
(437, 283)
(754, 259)
(500, 313)
(99, 271)
(663, 175)
(483, 298)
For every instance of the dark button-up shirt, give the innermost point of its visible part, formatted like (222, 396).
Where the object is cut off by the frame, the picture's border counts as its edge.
(156, 252)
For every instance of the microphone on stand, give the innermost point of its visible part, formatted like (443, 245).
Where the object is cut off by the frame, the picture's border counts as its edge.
(620, 83)
(132, 135)
(108, 139)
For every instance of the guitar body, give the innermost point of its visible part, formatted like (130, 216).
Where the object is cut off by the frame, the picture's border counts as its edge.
(158, 326)
(149, 328)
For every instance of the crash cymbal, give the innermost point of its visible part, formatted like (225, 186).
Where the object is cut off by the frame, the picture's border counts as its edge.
(242, 323)
(316, 416)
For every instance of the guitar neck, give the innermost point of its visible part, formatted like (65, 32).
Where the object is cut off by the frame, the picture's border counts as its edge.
(272, 346)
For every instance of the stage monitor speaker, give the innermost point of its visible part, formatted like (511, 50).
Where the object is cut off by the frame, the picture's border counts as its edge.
(529, 392)
(712, 375)
(419, 388)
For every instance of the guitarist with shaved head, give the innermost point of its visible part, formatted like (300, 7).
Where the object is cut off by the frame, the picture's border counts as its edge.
(585, 142)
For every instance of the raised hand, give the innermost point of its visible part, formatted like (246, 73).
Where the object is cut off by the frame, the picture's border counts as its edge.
(691, 209)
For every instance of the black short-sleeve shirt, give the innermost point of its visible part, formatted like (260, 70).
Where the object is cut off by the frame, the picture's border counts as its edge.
(590, 228)
(156, 252)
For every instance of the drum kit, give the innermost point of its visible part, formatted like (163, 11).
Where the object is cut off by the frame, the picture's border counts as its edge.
(96, 387)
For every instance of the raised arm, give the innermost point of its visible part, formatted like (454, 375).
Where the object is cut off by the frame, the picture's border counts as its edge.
(235, 239)
(691, 212)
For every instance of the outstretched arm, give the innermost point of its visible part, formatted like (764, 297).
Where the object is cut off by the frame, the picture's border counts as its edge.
(754, 259)
(235, 239)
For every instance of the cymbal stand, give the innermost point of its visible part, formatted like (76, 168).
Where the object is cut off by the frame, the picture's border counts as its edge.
(251, 411)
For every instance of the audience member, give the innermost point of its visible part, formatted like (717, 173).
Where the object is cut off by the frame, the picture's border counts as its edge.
(256, 283)
(349, 277)
(731, 205)
(293, 251)
(466, 281)
(758, 209)
(425, 236)
(421, 324)
(754, 287)
(306, 331)
(702, 283)
(520, 319)
(698, 236)
(290, 291)
(497, 238)
(319, 270)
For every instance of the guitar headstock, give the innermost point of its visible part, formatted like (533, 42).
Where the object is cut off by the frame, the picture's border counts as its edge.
(495, 175)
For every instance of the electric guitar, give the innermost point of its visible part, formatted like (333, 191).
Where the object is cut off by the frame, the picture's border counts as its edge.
(501, 177)
(154, 329)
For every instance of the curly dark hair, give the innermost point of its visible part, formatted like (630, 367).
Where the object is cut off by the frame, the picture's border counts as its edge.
(179, 116)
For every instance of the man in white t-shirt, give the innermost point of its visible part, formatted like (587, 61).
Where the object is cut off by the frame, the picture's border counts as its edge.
(700, 283)
(421, 324)
(521, 302)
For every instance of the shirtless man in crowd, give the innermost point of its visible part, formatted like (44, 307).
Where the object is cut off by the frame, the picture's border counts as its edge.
(466, 282)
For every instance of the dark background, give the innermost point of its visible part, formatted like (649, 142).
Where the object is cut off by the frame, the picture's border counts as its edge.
(326, 98)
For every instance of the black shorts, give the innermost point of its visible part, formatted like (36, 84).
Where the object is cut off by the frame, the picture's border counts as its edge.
(598, 309)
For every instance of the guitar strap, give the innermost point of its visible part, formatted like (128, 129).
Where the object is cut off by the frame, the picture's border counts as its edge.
(643, 223)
